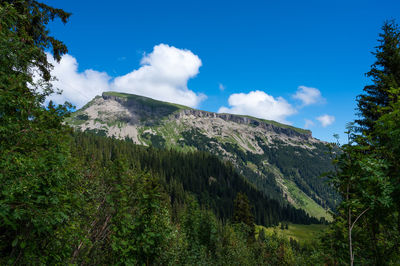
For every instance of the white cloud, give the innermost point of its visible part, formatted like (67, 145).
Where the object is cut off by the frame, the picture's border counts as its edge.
(308, 95)
(326, 120)
(163, 75)
(78, 88)
(221, 87)
(259, 104)
(308, 123)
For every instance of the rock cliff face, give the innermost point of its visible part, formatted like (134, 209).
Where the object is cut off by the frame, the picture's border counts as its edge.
(248, 121)
(282, 161)
(140, 106)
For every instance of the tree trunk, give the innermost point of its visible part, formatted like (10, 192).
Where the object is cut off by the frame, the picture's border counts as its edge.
(350, 240)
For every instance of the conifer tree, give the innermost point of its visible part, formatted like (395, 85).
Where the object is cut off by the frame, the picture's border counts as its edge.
(385, 75)
(367, 175)
(36, 182)
(242, 212)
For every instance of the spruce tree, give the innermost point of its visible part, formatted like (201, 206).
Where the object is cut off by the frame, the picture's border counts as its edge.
(367, 170)
(384, 74)
(242, 212)
(36, 181)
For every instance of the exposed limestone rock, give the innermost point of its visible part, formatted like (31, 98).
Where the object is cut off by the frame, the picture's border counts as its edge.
(227, 135)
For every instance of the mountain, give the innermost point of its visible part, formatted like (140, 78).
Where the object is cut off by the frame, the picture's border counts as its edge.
(283, 162)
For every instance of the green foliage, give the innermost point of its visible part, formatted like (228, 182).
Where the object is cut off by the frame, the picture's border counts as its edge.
(302, 200)
(213, 182)
(141, 225)
(367, 177)
(301, 167)
(385, 75)
(299, 232)
(190, 233)
(155, 140)
(25, 37)
(84, 199)
(242, 213)
(39, 192)
(298, 164)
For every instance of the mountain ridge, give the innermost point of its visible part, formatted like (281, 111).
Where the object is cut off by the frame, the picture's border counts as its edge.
(255, 146)
(246, 118)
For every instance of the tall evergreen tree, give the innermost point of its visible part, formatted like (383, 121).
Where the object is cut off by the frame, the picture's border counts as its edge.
(242, 212)
(367, 175)
(36, 182)
(385, 74)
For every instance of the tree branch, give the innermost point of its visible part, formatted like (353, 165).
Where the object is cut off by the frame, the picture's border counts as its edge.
(351, 228)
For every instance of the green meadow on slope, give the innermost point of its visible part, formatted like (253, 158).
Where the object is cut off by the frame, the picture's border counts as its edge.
(283, 162)
(109, 198)
(299, 232)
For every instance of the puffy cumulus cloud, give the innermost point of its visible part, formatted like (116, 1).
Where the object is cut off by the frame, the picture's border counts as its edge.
(77, 88)
(259, 104)
(326, 120)
(163, 76)
(308, 95)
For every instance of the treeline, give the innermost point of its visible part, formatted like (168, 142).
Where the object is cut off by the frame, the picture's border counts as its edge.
(97, 201)
(214, 183)
(366, 228)
(69, 200)
(303, 166)
(140, 205)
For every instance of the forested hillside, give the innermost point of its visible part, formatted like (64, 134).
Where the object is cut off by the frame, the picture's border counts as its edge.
(283, 162)
(213, 183)
(73, 198)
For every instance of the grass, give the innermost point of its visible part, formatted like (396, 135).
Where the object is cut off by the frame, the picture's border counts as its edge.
(145, 100)
(152, 102)
(301, 199)
(299, 130)
(305, 202)
(171, 131)
(252, 166)
(300, 232)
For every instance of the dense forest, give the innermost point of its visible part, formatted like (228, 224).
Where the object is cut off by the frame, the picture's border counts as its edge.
(303, 167)
(214, 183)
(75, 198)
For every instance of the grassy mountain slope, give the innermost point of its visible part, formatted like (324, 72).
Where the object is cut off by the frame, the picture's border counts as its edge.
(282, 161)
(299, 232)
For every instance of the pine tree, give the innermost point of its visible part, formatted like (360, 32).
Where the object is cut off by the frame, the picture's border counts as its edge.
(36, 181)
(385, 75)
(242, 212)
(367, 175)
(261, 235)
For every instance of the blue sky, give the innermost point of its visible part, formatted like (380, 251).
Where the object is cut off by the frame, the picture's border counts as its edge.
(249, 57)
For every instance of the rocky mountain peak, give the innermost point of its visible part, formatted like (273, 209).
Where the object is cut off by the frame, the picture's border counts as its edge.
(284, 160)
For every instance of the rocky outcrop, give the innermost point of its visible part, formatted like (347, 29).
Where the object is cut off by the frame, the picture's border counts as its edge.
(245, 121)
(143, 107)
(151, 112)
(254, 146)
